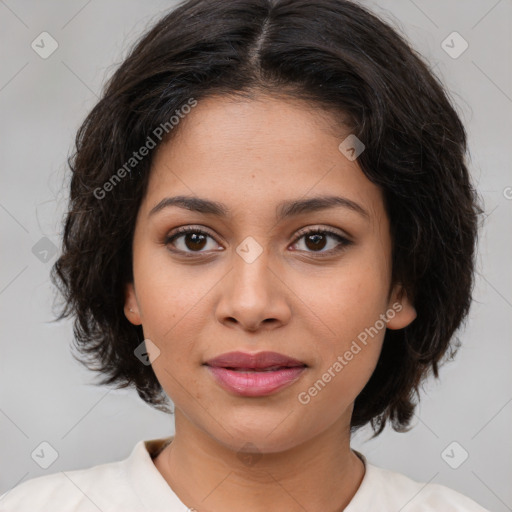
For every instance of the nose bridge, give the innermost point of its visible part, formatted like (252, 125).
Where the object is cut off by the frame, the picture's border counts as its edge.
(251, 271)
(253, 294)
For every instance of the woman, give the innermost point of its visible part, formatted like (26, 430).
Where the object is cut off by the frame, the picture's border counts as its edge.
(272, 224)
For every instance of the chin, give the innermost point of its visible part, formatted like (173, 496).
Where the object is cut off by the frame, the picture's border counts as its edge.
(263, 436)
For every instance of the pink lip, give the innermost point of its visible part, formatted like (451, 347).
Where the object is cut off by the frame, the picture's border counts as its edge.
(244, 374)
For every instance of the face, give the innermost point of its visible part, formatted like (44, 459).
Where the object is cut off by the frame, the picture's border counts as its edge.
(311, 284)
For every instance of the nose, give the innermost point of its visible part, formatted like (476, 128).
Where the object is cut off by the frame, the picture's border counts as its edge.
(253, 295)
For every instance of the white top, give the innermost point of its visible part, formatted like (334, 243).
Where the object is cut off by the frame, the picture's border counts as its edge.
(135, 485)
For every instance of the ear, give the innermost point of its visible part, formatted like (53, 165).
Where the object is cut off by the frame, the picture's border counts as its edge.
(131, 307)
(401, 311)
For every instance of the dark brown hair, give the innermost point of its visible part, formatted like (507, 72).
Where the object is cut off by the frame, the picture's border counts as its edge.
(336, 55)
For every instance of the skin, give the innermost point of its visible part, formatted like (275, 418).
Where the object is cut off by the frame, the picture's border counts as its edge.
(251, 155)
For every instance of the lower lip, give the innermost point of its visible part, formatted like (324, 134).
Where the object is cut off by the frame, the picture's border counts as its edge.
(255, 383)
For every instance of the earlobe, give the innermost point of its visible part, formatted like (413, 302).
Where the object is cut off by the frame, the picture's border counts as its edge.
(131, 308)
(401, 311)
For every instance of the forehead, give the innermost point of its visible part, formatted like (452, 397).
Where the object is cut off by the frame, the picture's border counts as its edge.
(251, 154)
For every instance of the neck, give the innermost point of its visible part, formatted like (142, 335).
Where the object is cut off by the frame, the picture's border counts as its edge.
(321, 474)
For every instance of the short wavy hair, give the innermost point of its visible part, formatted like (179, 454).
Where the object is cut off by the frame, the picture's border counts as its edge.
(335, 55)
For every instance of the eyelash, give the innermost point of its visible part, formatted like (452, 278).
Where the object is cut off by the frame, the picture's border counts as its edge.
(343, 242)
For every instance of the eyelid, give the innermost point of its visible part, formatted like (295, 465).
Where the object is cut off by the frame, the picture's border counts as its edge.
(319, 228)
(344, 239)
(189, 228)
(299, 234)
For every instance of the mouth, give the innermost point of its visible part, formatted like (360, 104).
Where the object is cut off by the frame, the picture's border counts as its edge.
(254, 375)
(269, 369)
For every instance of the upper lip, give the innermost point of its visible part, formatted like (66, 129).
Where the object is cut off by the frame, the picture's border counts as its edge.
(256, 361)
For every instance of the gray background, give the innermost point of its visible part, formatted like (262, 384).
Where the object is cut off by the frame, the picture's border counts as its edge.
(45, 395)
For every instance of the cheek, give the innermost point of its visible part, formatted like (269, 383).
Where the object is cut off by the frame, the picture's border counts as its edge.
(345, 361)
(169, 294)
(349, 338)
(348, 300)
(175, 312)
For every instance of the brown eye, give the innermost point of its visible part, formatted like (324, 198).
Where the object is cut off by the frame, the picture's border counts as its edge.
(195, 241)
(315, 240)
(189, 240)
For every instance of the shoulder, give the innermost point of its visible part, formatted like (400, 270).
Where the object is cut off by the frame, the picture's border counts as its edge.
(388, 490)
(83, 490)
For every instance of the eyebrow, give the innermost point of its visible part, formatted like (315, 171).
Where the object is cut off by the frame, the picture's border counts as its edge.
(284, 210)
